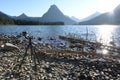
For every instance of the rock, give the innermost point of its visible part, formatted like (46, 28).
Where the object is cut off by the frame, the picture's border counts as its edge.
(82, 77)
(9, 47)
(50, 75)
(64, 78)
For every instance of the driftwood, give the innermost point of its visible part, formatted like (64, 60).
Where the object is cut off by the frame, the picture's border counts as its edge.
(9, 47)
(92, 45)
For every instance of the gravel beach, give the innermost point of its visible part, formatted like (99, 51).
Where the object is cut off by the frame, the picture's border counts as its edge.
(58, 66)
(47, 63)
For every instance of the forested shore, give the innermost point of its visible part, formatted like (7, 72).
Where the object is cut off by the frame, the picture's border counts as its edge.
(8, 21)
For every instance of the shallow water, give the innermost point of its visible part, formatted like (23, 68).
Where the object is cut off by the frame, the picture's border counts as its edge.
(102, 33)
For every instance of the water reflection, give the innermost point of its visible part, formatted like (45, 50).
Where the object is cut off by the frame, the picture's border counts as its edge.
(104, 52)
(105, 34)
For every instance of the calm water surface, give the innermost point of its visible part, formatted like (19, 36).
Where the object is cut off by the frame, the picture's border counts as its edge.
(103, 33)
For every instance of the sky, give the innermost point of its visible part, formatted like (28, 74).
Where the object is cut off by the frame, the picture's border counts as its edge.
(77, 8)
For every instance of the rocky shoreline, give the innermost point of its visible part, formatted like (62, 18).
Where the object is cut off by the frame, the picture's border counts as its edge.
(59, 67)
(55, 64)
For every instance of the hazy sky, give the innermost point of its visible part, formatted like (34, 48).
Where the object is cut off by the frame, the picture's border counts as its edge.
(77, 8)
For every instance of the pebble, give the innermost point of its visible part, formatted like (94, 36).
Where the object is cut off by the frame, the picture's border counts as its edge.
(59, 67)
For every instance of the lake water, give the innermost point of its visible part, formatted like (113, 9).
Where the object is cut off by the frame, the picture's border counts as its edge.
(103, 33)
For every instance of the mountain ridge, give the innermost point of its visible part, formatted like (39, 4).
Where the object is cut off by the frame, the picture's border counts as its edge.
(55, 15)
(90, 16)
(112, 18)
(4, 15)
(52, 15)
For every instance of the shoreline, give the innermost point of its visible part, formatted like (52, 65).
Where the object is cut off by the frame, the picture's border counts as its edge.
(56, 64)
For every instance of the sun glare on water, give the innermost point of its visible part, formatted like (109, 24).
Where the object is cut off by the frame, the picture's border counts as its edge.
(104, 51)
(105, 32)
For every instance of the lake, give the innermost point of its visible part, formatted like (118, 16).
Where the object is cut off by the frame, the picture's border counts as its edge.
(102, 33)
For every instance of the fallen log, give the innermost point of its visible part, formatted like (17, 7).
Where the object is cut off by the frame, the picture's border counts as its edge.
(9, 47)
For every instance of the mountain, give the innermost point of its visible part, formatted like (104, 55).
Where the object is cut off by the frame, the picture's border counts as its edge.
(105, 18)
(117, 10)
(55, 15)
(87, 18)
(5, 19)
(90, 16)
(117, 14)
(75, 19)
(23, 16)
(4, 15)
(52, 15)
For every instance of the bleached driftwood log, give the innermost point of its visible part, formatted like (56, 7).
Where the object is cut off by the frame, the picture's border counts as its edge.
(9, 47)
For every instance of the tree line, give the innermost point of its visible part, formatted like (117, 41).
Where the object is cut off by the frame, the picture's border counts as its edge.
(7, 21)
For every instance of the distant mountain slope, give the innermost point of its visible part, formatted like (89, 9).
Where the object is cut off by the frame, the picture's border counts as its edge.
(117, 14)
(75, 19)
(4, 15)
(5, 19)
(102, 19)
(55, 15)
(106, 18)
(23, 16)
(90, 16)
(86, 18)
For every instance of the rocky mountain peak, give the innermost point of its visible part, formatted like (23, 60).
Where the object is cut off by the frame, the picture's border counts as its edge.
(53, 10)
(55, 15)
(23, 15)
